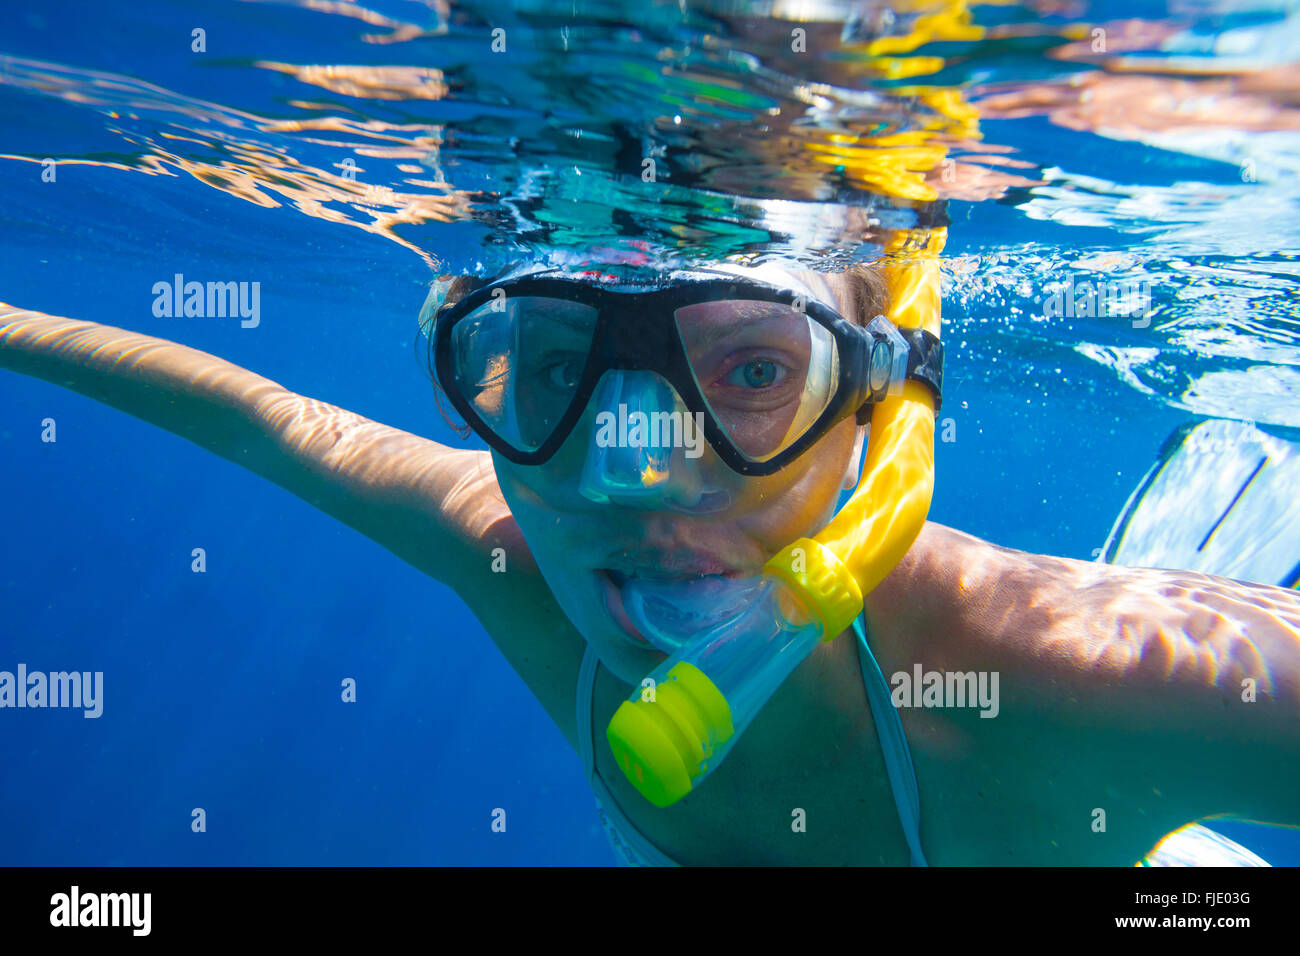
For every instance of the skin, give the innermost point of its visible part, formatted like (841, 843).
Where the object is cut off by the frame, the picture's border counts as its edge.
(1120, 689)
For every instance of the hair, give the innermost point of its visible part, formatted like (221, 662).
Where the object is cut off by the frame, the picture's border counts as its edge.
(451, 292)
(861, 289)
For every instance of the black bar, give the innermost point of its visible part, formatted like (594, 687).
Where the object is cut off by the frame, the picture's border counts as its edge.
(575, 907)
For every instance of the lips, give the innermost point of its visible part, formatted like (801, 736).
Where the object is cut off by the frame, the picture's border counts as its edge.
(664, 611)
(667, 565)
(670, 574)
(612, 584)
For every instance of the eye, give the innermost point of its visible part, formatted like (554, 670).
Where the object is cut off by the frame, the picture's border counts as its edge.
(562, 375)
(757, 374)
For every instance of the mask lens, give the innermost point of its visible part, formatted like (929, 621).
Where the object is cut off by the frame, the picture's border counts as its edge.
(518, 361)
(766, 370)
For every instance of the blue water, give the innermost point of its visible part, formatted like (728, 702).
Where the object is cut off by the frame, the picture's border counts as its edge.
(223, 688)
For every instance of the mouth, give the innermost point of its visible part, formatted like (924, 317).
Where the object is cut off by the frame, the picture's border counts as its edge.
(612, 584)
(697, 583)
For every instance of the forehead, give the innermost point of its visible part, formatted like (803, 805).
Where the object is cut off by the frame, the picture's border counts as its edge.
(816, 284)
(821, 287)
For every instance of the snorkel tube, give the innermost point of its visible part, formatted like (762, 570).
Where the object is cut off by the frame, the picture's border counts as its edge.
(683, 720)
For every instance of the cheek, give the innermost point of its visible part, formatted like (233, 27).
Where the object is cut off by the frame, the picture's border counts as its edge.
(798, 501)
(555, 526)
(770, 512)
(526, 493)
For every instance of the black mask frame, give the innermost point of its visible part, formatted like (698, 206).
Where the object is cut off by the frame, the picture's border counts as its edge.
(635, 330)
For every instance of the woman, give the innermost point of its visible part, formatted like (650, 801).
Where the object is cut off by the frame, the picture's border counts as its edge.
(1129, 702)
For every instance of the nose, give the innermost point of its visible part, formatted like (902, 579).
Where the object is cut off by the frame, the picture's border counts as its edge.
(646, 449)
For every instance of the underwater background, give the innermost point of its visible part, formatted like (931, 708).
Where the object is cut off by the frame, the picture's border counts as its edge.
(343, 154)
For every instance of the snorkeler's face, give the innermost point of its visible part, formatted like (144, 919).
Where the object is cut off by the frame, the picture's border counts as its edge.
(587, 548)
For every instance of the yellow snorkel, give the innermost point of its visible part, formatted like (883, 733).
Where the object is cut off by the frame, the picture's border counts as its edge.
(876, 527)
(680, 724)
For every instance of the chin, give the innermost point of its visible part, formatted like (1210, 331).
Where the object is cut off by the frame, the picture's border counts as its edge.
(621, 654)
(581, 595)
(631, 665)
(618, 654)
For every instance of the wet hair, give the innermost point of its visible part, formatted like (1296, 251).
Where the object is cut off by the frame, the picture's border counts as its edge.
(861, 291)
(452, 292)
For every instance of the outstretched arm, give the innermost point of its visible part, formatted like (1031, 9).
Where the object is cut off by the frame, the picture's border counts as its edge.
(434, 507)
(437, 509)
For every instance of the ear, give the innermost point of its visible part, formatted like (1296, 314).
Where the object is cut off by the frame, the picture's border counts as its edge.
(852, 474)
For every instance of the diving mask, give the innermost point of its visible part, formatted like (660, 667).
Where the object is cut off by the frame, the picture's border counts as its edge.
(766, 368)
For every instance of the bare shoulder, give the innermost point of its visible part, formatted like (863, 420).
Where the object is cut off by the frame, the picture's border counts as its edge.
(1137, 700)
(1083, 623)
